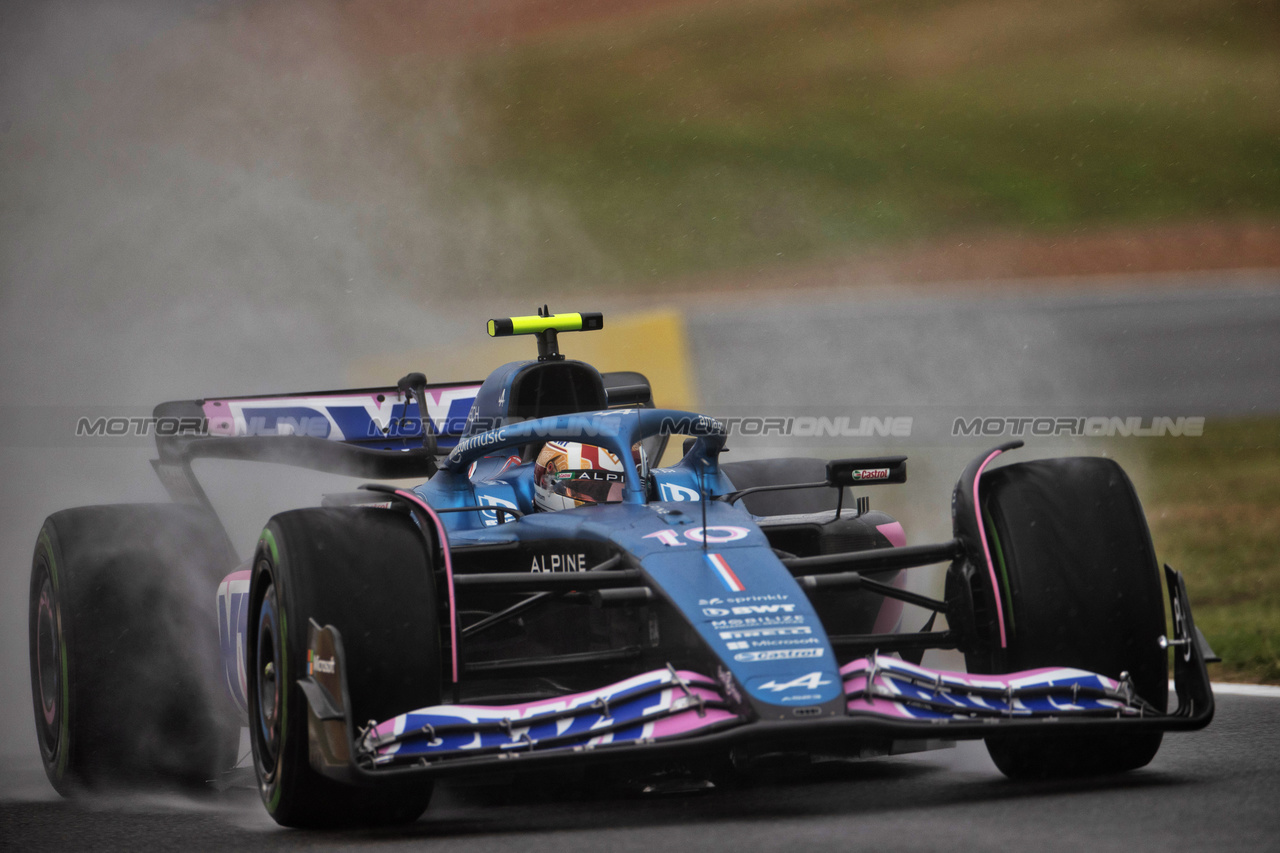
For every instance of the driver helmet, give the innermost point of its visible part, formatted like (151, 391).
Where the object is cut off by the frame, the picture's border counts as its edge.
(568, 474)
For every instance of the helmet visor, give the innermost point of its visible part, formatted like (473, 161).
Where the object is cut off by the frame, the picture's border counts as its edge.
(589, 485)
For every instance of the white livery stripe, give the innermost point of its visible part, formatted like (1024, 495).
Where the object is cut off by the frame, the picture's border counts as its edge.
(1224, 688)
(726, 574)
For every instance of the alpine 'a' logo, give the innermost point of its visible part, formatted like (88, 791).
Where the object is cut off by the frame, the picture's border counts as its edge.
(812, 681)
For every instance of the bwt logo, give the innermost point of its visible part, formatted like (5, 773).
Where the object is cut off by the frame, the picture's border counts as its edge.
(315, 425)
(343, 417)
(749, 609)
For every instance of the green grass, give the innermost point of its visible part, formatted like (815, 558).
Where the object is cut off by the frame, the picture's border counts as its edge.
(1214, 508)
(741, 135)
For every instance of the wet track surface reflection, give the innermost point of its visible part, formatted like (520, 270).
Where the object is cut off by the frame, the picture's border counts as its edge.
(1202, 791)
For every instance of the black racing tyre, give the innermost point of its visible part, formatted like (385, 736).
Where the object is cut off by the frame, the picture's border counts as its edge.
(126, 678)
(1081, 589)
(369, 573)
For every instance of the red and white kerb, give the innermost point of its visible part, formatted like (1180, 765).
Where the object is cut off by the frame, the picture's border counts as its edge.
(726, 574)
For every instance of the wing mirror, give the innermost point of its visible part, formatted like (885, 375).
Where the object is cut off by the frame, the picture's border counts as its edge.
(867, 471)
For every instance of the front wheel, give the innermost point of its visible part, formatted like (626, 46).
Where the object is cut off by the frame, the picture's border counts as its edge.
(369, 573)
(1079, 587)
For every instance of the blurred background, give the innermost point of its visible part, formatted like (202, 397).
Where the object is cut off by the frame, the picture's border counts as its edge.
(919, 209)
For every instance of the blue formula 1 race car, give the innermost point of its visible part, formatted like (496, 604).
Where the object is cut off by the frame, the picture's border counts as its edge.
(550, 596)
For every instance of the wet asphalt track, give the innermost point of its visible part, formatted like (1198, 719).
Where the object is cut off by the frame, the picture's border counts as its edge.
(1204, 350)
(1214, 790)
(138, 272)
(1204, 344)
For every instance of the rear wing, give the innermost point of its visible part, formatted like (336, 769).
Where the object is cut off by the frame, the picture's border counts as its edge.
(365, 432)
(378, 418)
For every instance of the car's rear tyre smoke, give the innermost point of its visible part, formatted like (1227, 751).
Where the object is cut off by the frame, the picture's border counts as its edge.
(1081, 588)
(369, 573)
(125, 680)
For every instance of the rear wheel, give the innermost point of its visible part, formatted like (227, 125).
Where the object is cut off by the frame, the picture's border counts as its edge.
(1080, 588)
(125, 678)
(369, 573)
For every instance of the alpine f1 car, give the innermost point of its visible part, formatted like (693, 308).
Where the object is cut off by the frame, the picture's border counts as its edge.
(549, 595)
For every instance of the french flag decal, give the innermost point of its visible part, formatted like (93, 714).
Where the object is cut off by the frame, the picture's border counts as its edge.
(726, 574)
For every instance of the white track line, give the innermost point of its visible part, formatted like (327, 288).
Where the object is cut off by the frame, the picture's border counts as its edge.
(1224, 688)
(1246, 690)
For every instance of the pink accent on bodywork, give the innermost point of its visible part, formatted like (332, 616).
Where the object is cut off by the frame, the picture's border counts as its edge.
(951, 683)
(986, 550)
(221, 416)
(221, 421)
(968, 679)
(521, 713)
(448, 572)
(890, 615)
(875, 705)
(690, 721)
(894, 533)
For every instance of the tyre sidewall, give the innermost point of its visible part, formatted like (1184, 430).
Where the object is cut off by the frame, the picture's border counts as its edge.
(55, 757)
(312, 562)
(1083, 590)
(287, 780)
(141, 695)
(1089, 597)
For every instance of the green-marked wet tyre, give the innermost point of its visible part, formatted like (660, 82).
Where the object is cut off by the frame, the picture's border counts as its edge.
(1081, 588)
(367, 572)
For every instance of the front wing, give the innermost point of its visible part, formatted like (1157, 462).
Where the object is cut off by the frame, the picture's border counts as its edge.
(678, 711)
